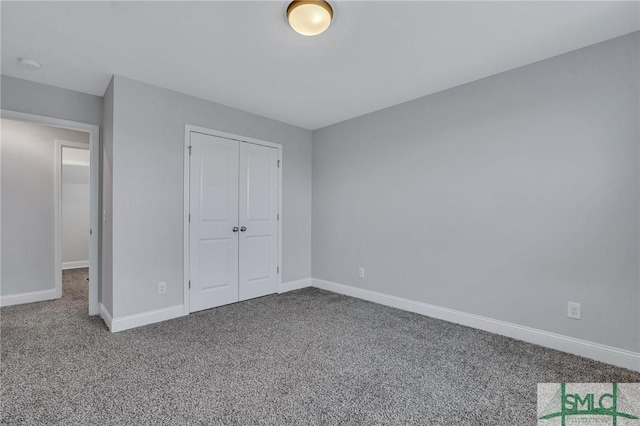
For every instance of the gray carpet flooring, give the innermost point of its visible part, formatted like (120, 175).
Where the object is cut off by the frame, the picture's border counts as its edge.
(304, 357)
(75, 284)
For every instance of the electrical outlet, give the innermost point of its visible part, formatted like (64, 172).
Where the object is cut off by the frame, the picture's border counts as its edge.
(360, 272)
(162, 287)
(573, 310)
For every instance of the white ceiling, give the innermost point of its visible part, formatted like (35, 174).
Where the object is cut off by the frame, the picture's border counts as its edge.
(244, 54)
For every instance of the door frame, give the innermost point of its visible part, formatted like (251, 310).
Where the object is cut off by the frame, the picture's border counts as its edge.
(188, 128)
(94, 198)
(59, 145)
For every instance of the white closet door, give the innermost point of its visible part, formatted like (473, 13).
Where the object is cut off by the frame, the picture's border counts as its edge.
(214, 222)
(258, 220)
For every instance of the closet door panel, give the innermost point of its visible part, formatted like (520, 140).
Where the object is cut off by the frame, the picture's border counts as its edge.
(258, 210)
(214, 215)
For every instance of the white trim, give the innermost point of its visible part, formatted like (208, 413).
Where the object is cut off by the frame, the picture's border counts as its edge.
(94, 154)
(294, 285)
(188, 128)
(280, 197)
(106, 316)
(596, 351)
(145, 318)
(75, 265)
(212, 132)
(59, 144)
(30, 297)
(185, 230)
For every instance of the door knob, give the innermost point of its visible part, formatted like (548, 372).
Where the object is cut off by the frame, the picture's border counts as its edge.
(235, 229)
(243, 228)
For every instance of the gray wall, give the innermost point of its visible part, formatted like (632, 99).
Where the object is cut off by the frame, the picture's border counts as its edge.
(106, 185)
(41, 99)
(75, 210)
(148, 178)
(28, 221)
(506, 197)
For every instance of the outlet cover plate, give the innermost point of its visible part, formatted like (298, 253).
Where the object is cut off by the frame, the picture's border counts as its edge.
(573, 310)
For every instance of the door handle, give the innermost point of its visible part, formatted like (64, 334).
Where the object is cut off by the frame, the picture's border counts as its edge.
(243, 228)
(235, 229)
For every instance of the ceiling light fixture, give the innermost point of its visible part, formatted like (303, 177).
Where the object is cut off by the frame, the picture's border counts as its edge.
(29, 63)
(309, 17)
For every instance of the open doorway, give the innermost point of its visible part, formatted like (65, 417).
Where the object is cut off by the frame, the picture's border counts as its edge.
(50, 210)
(72, 164)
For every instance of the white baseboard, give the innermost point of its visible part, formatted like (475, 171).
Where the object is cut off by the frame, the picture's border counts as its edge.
(30, 297)
(294, 285)
(145, 318)
(75, 265)
(106, 316)
(596, 351)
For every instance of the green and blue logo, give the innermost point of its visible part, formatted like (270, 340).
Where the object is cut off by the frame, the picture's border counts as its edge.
(588, 403)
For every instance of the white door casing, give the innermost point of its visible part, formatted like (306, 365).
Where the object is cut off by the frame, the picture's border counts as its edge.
(258, 221)
(214, 216)
(59, 149)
